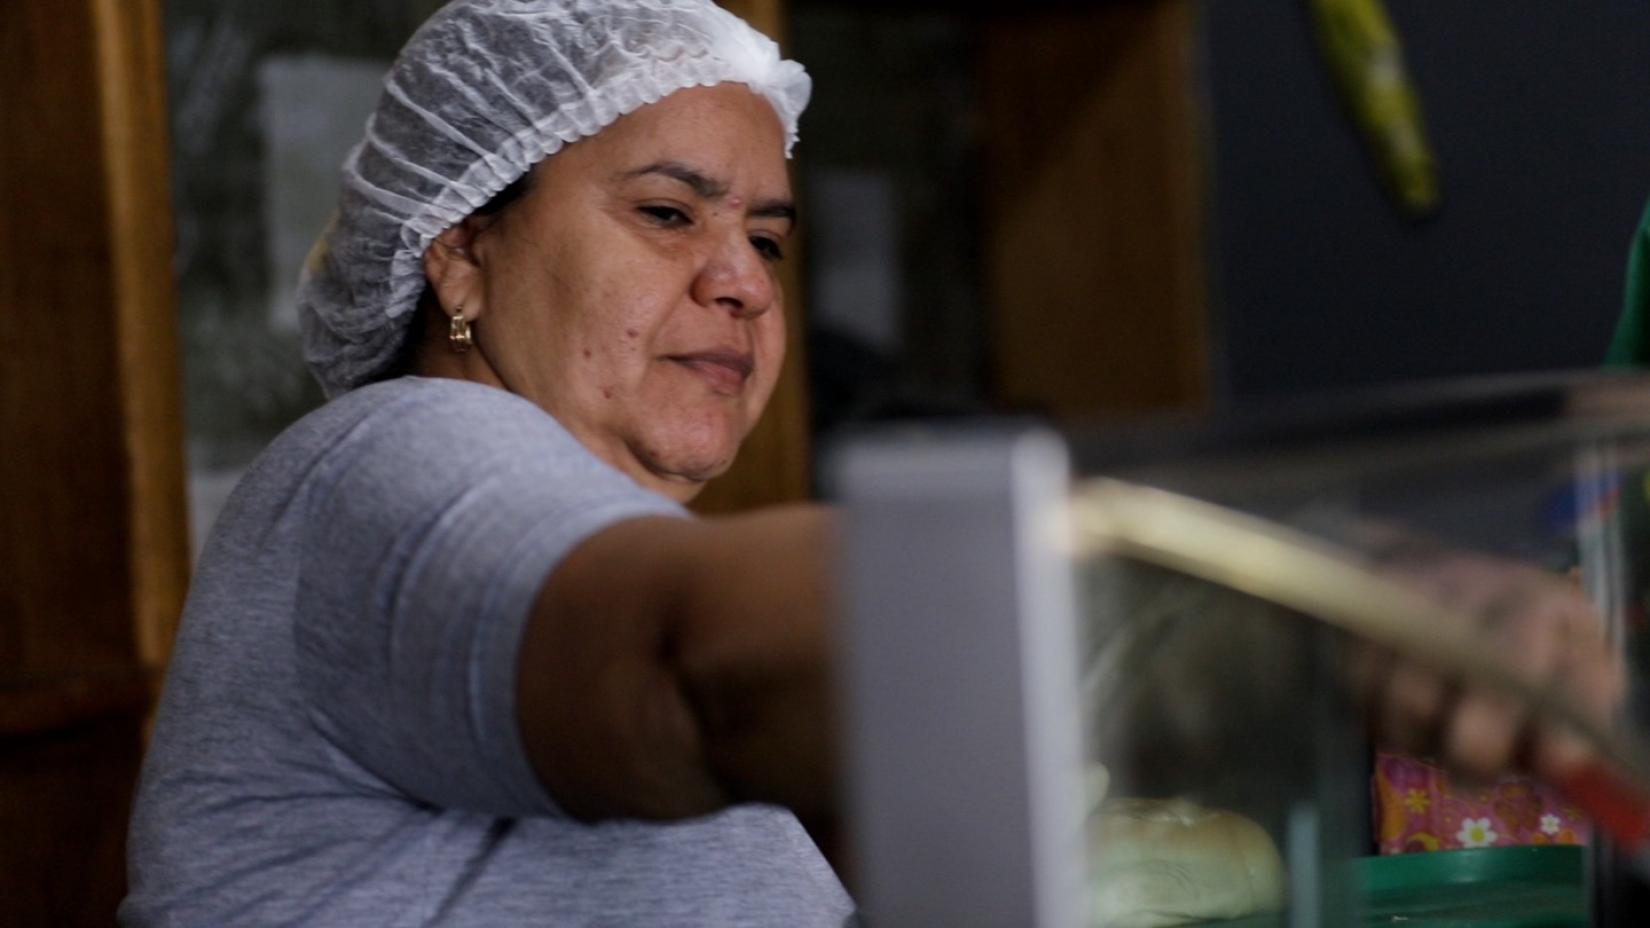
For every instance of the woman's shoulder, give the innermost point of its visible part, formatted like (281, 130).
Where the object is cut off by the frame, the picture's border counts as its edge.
(402, 395)
(405, 442)
(396, 430)
(427, 412)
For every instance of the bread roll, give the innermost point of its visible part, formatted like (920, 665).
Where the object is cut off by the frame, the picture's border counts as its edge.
(1171, 862)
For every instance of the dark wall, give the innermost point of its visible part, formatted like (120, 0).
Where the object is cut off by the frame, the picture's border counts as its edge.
(1540, 120)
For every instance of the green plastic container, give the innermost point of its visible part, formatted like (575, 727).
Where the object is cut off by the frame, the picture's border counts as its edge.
(1498, 887)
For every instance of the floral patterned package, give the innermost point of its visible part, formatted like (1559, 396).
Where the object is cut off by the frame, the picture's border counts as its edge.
(1417, 808)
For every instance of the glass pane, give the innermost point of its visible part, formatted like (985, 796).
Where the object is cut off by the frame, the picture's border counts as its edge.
(265, 101)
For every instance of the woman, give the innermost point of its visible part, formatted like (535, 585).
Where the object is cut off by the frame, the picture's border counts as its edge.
(438, 634)
(454, 653)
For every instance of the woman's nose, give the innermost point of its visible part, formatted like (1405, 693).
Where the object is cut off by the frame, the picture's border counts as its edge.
(737, 279)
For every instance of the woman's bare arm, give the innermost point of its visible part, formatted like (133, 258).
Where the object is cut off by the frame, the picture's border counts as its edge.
(672, 667)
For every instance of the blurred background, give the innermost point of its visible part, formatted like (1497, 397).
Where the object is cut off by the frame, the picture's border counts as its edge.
(1096, 211)
(1099, 209)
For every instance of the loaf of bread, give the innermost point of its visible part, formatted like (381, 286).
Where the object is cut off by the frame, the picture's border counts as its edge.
(1171, 862)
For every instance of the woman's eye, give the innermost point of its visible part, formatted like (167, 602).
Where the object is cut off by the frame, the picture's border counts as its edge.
(769, 248)
(665, 215)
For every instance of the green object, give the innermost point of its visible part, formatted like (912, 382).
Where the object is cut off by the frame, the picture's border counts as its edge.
(1362, 51)
(1498, 887)
(1631, 345)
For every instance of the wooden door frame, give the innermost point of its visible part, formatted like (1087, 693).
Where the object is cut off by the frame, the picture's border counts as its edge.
(94, 549)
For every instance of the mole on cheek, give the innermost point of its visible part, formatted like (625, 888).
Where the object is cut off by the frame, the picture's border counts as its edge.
(631, 333)
(607, 393)
(587, 354)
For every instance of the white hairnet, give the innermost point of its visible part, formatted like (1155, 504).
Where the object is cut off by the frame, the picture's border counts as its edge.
(483, 91)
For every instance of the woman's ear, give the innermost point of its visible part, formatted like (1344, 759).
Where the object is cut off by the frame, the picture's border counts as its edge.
(454, 273)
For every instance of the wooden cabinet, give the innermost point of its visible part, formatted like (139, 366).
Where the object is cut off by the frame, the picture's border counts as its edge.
(93, 553)
(1094, 209)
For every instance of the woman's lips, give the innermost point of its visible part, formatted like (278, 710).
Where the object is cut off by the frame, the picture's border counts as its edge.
(725, 371)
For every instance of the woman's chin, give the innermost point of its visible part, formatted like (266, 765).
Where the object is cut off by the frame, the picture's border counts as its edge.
(689, 461)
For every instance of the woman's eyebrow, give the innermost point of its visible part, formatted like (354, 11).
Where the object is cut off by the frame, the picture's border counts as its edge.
(701, 183)
(711, 188)
(774, 209)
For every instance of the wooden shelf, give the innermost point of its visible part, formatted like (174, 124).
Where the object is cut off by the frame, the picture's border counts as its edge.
(41, 706)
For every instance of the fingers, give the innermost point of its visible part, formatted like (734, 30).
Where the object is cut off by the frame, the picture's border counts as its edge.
(1593, 680)
(1558, 752)
(1524, 624)
(1482, 734)
(1539, 625)
(1598, 680)
(1412, 713)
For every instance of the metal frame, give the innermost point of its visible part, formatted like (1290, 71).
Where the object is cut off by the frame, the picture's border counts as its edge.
(960, 666)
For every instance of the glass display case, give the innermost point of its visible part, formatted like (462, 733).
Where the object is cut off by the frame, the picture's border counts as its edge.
(1102, 679)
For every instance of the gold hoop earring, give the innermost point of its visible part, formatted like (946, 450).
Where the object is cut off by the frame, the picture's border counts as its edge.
(458, 333)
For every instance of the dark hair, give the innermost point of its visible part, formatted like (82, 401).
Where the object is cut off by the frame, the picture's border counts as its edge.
(406, 357)
(515, 191)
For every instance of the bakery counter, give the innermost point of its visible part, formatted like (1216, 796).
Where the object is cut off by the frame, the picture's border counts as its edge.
(1101, 680)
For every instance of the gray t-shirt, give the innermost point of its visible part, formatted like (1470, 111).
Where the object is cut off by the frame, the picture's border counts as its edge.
(336, 744)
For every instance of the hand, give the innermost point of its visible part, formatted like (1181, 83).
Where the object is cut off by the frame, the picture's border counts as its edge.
(1536, 622)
